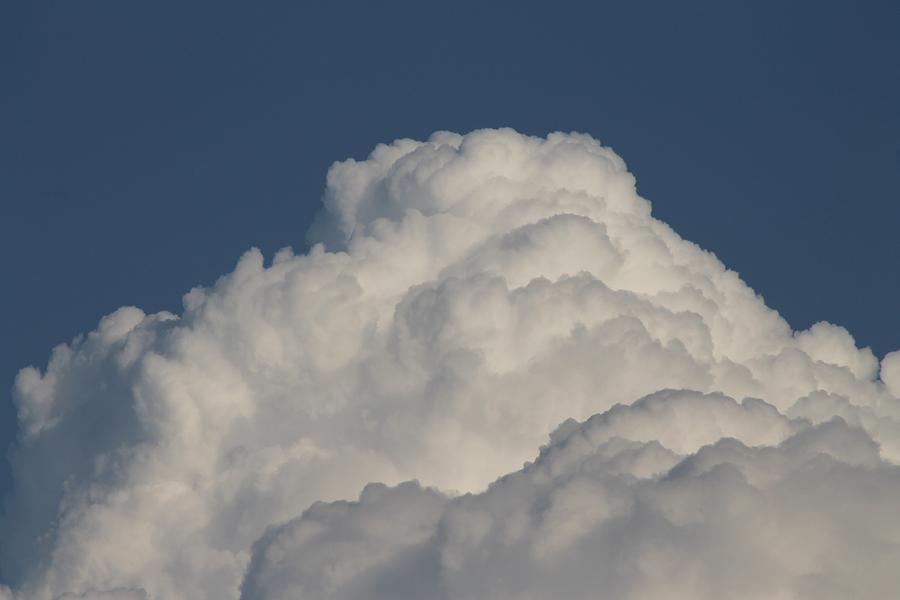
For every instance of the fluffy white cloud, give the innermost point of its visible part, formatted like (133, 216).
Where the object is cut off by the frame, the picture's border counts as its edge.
(468, 294)
(890, 372)
(634, 503)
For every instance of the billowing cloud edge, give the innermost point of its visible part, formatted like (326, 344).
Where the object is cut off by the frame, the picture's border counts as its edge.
(466, 295)
(609, 509)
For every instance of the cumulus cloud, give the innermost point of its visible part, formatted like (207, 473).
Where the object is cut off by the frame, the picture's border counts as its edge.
(609, 509)
(462, 297)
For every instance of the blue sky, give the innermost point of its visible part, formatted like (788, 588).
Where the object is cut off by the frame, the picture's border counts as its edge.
(145, 146)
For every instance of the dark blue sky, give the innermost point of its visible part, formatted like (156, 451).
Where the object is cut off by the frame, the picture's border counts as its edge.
(144, 146)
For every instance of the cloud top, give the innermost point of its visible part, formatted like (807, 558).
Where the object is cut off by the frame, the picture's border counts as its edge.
(465, 296)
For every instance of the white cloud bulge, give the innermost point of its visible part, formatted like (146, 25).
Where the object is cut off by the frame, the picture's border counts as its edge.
(466, 296)
(609, 511)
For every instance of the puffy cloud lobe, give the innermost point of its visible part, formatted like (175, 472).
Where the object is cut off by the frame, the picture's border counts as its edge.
(468, 294)
(608, 510)
(890, 372)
